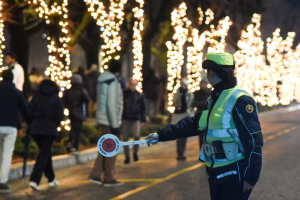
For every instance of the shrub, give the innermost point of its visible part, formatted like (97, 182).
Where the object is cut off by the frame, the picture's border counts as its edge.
(95, 137)
(58, 149)
(84, 140)
(19, 148)
(159, 119)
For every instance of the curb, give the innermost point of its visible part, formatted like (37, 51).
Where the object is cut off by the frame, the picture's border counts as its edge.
(64, 161)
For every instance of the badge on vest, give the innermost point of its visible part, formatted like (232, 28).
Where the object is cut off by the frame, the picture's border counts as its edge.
(249, 108)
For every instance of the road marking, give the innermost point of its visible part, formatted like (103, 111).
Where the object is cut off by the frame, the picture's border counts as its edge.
(157, 181)
(283, 132)
(165, 159)
(139, 180)
(131, 192)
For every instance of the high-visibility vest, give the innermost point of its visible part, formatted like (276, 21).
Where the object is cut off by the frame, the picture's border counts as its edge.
(220, 119)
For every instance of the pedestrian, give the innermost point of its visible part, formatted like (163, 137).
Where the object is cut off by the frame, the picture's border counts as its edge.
(182, 101)
(47, 112)
(122, 82)
(134, 116)
(74, 100)
(12, 102)
(92, 80)
(108, 117)
(35, 79)
(17, 69)
(200, 101)
(150, 89)
(233, 138)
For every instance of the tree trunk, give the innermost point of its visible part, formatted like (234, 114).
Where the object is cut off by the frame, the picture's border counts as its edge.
(20, 45)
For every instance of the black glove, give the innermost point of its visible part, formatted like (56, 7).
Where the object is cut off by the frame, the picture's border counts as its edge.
(115, 131)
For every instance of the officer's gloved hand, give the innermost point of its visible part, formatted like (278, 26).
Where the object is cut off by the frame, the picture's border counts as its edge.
(152, 139)
(115, 131)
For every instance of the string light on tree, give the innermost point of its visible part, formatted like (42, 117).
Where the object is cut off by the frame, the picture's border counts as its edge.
(137, 43)
(194, 60)
(59, 55)
(185, 33)
(175, 51)
(251, 69)
(216, 37)
(110, 25)
(280, 57)
(2, 39)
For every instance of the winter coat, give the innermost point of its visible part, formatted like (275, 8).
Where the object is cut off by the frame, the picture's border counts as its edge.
(19, 77)
(183, 101)
(134, 106)
(11, 102)
(150, 87)
(109, 100)
(47, 110)
(74, 99)
(92, 80)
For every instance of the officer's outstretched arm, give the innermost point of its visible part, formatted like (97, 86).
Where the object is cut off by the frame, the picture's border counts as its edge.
(186, 127)
(247, 123)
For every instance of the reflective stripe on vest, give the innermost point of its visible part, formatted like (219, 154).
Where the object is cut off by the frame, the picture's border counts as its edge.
(220, 120)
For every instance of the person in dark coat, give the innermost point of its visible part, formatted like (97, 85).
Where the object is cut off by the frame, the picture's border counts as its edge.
(92, 80)
(150, 89)
(11, 102)
(134, 115)
(230, 119)
(75, 100)
(47, 113)
(200, 101)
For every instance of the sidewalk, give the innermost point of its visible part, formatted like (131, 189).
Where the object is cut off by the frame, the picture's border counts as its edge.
(64, 161)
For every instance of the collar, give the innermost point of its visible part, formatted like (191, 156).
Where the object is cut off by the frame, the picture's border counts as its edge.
(219, 87)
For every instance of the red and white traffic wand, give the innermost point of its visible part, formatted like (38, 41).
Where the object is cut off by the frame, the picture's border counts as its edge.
(109, 145)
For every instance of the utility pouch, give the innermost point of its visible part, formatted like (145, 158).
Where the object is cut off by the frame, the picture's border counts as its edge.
(231, 150)
(218, 149)
(202, 157)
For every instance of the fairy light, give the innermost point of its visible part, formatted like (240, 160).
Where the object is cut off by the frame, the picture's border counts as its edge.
(59, 55)
(295, 60)
(251, 69)
(195, 56)
(209, 16)
(175, 51)
(137, 44)
(262, 80)
(183, 33)
(280, 56)
(216, 37)
(194, 60)
(110, 25)
(201, 16)
(2, 39)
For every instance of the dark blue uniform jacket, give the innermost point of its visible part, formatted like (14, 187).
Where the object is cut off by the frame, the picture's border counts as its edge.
(249, 130)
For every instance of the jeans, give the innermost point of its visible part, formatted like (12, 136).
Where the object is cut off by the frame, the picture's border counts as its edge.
(7, 146)
(180, 142)
(104, 164)
(44, 159)
(74, 135)
(127, 128)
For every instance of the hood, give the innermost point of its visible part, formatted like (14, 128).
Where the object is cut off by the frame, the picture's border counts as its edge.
(106, 76)
(48, 88)
(76, 78)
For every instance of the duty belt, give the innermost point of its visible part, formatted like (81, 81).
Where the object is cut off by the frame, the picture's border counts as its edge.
(217, 151)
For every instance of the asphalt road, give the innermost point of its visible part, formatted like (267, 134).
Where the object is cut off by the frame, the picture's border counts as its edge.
(158, 175)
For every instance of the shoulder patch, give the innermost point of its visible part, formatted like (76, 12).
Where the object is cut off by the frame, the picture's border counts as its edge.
(249, 108)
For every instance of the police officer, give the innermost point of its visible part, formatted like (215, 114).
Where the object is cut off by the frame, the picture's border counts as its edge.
(232, 133)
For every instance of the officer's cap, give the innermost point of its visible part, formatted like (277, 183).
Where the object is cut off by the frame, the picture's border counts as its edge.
(218, 61)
